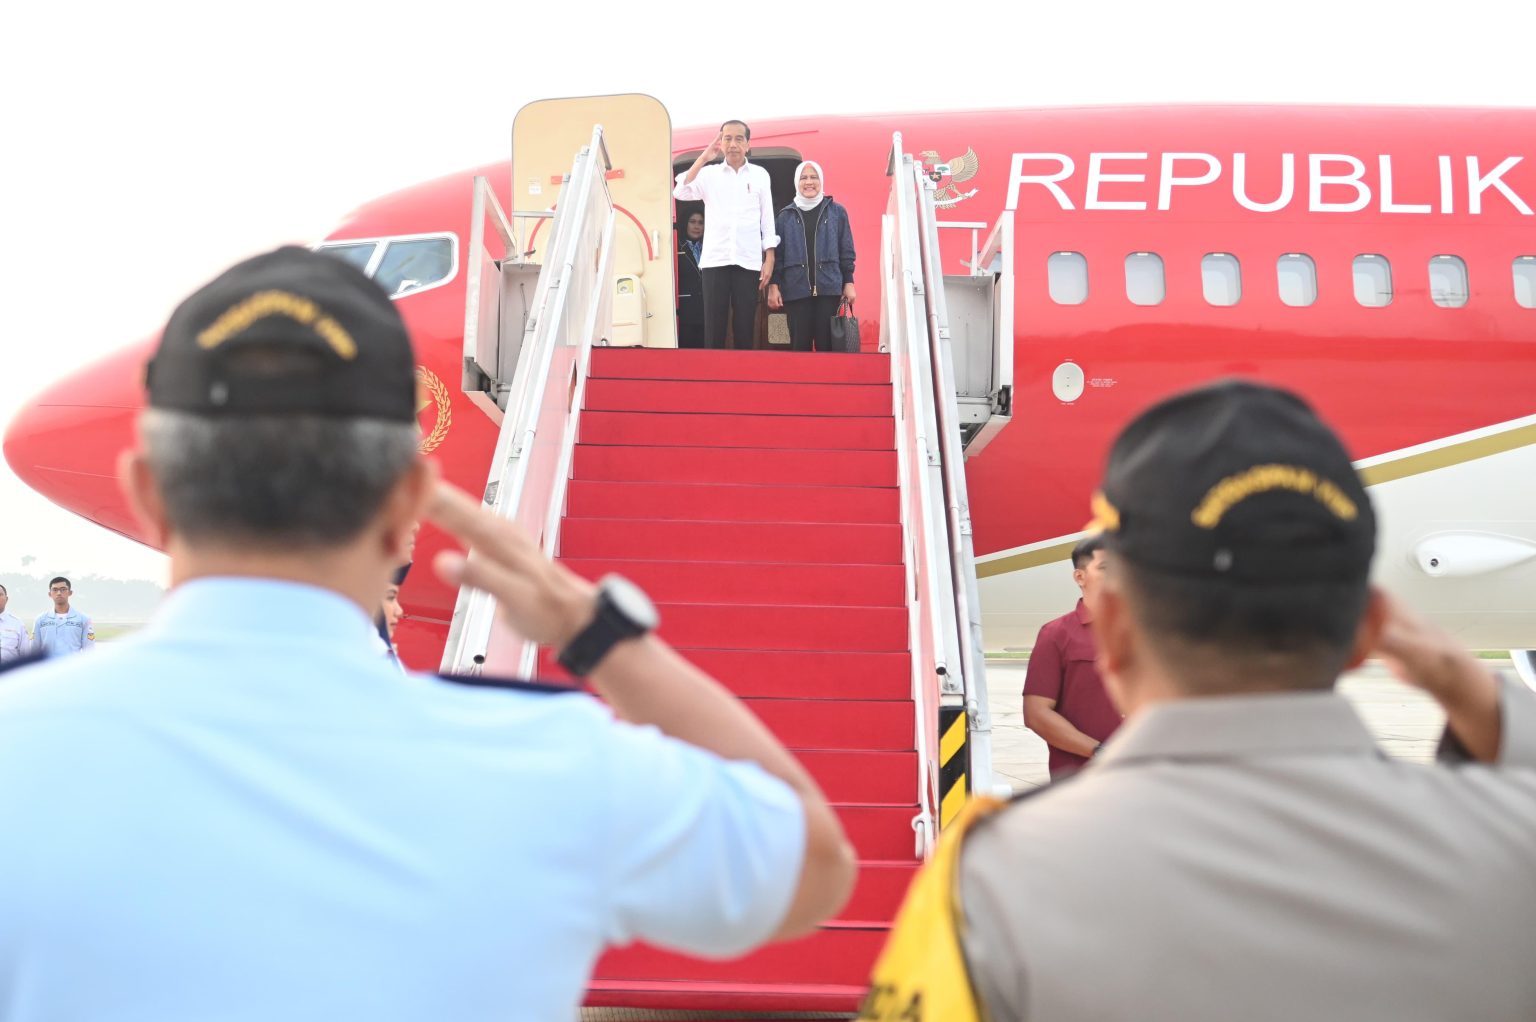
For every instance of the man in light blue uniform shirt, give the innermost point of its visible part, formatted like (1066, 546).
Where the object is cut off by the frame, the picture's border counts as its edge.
(66, 630)
(242, 813)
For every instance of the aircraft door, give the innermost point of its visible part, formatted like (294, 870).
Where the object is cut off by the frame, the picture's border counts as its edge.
(638, 133)
(980, 307)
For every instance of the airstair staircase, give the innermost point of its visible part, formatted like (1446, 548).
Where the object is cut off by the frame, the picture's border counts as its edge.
(800, 521)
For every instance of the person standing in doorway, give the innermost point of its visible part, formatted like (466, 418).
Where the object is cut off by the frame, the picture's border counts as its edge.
(739, 238)
(1065, 701)
(66, 630)
(690, 284)
(813, 272)
(13, 632)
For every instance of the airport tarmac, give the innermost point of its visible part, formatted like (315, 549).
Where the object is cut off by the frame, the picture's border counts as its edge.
(1406, 722)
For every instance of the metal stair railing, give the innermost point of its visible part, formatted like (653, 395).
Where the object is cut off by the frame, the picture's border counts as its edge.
(933, 636)
(572, 310)
(962, 559)
(948, 664)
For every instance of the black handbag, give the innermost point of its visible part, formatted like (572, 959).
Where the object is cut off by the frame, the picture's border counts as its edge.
(845, 328)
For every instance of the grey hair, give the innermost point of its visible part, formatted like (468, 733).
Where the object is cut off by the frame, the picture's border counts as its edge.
(290, 480)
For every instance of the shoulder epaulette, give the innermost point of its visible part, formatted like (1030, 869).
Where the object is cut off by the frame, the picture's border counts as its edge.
(548, 688)
(23, 661)
(1018, 797)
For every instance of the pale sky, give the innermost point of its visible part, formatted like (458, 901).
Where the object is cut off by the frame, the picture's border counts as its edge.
(153, 144)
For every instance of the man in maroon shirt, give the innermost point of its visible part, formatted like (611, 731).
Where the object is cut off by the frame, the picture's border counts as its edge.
(1064, 698)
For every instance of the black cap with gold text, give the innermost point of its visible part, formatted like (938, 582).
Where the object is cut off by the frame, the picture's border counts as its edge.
(291, 332)
(1239, 481)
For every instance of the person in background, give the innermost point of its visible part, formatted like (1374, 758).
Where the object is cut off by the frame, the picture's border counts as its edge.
(66, 630)
(389, 615)
(690, 284)
(739, 239)
(813, 271)
(391, 609)
(242, 810)
(13, 632)
(1065, 701)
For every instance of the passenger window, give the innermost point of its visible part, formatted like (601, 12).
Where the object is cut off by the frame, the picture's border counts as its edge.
(1144, 283)
(1448, 281)
(415, 265)
(1373, 281)
(1222, 278)
(1525, 281)
(357, 253)
(1297, 277)
(1068, 273)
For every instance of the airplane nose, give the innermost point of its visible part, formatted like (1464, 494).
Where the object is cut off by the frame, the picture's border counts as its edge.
(65, 442)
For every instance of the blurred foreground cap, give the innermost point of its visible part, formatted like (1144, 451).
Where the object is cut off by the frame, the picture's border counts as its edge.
(1236, 480)
(291, 332)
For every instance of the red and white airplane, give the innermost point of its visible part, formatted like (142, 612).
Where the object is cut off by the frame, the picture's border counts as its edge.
(1380, 261)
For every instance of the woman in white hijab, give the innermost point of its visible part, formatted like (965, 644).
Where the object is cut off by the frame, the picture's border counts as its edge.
(813, 271)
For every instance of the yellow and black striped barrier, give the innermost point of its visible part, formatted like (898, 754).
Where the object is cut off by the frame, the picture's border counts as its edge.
(954, 764)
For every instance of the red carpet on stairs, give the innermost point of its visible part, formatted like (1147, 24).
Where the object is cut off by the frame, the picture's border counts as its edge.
(753, 494)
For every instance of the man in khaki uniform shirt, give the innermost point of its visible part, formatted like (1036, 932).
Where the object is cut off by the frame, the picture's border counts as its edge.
(1240, 849)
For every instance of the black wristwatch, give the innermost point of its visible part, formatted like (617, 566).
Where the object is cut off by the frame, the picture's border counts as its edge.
(623, 612)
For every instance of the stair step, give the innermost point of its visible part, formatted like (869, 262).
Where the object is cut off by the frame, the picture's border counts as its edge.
(790, 674)
(747, 626)
(761, 366)
(879, 890)
(738, 398)
(878, 778)
(838, 723)
(797, 543)
(823, 585)
(880, 832)
(803, 432)
(756, 465)
(716, 502)
(755, 999)
(834, 955)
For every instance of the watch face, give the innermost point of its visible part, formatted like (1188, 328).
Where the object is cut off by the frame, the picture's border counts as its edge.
(631, 601)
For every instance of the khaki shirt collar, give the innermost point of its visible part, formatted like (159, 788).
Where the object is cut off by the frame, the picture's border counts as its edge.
(1240, 727)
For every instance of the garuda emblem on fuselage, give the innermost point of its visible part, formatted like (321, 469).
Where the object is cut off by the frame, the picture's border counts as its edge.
(432, 394)
(950, 175)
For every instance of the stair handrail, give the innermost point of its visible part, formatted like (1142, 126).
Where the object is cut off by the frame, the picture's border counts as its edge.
(531, 463)
(932, 631)
(962, 563)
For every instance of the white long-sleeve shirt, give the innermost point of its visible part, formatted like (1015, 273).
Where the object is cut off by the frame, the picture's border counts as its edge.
(738, 213)
(13, 637)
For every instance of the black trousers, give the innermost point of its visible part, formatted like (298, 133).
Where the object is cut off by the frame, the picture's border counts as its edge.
(810, 322)
(730, 297)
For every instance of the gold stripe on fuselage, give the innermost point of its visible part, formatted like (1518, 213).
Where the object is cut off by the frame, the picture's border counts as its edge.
(1401, 467)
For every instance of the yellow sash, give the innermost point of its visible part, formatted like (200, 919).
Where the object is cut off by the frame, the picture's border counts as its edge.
(921, 974)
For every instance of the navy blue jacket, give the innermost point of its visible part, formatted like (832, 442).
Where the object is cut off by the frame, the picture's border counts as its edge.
(834, 252)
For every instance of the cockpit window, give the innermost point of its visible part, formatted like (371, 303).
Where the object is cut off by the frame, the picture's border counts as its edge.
(410, 266)
(356, 254)
(402, 266)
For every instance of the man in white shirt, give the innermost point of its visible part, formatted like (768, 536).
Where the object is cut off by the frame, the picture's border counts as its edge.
(739, 237)
(13, 632)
